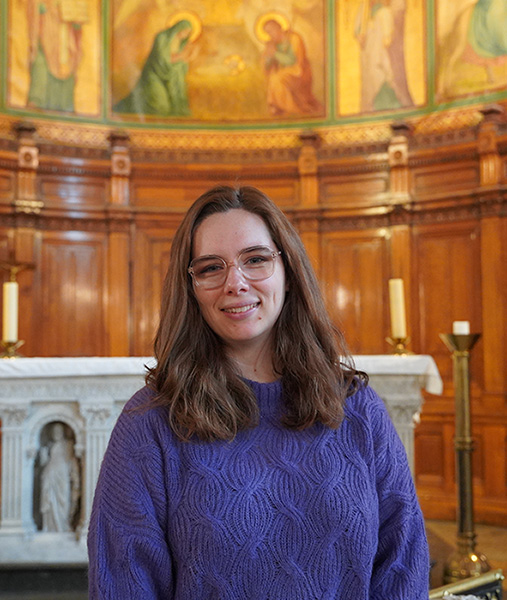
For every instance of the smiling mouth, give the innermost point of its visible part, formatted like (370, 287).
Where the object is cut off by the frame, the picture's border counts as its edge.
(240, 309)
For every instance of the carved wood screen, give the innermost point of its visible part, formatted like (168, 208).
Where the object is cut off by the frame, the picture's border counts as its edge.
(96, 222)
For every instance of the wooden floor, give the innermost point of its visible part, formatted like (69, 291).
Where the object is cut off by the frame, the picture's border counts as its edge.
(491, 541)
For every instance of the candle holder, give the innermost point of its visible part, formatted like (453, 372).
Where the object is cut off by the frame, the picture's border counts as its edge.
(15, 268)
(11, 349)
(399, 345)
(465, 561)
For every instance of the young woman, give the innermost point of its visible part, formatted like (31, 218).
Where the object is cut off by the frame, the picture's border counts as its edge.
(256, 463)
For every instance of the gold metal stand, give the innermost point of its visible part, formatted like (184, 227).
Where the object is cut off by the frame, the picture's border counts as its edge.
(465, 561)
(11, 349)
(399, 345)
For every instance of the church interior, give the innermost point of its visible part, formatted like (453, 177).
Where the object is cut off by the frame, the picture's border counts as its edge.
(379, 128)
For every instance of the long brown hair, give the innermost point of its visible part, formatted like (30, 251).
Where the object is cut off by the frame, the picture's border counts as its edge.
(203, 391)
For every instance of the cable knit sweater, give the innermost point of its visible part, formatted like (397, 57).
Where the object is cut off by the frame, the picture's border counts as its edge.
(274, 514)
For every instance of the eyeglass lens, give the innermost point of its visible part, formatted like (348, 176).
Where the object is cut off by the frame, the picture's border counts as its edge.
(255, 264)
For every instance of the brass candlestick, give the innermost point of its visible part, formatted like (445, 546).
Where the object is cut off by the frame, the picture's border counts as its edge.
(11, 346)
(465, 561)
(399, 345)
(11, 349)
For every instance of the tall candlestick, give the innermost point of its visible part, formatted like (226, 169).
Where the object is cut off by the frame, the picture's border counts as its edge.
(465, 562)
(397, 306)
(10, 312)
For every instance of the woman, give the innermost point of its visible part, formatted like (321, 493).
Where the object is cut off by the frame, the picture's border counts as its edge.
(255, 463)
(162, 87)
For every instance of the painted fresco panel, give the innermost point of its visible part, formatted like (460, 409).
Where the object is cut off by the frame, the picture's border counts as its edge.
(228, 60)
(383, 42)
(471, 47)
(54, 56)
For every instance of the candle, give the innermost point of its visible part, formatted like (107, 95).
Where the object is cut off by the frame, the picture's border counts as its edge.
(397, 306)
(461, 328)
(10, 312)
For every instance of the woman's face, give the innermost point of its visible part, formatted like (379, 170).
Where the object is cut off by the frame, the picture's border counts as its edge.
(241, 312)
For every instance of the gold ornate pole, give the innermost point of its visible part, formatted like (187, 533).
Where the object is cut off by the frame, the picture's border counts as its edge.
(465, 561)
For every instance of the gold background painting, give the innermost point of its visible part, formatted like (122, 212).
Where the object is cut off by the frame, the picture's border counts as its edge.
(87, 90)
(226, 79)
(459, 70)
(348, 69)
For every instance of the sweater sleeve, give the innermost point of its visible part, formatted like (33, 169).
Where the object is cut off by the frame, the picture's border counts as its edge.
(401, 566)
(128, 551)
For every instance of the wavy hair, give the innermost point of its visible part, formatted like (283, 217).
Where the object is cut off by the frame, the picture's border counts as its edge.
(202, 389)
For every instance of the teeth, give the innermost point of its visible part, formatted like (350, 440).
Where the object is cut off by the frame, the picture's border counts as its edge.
(240, 309)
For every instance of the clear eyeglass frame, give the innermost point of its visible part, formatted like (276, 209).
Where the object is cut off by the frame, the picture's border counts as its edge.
(218, 278)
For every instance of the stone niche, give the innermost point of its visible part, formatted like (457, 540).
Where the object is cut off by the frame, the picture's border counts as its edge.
(57, 416)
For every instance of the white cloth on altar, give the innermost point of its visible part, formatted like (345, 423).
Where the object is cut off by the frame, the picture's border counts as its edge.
(406, 364)
(417, 364)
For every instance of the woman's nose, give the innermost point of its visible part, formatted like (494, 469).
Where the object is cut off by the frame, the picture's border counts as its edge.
(235, 281)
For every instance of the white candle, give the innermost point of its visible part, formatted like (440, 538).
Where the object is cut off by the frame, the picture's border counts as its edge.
(10, 312)
(461, 328)
(397, 306)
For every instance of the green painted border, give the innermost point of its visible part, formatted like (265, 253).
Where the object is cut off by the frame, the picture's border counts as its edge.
(3, 52)
(332, 119)
(331, 62)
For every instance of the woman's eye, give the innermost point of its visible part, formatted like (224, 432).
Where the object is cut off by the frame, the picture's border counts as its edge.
(256, 260)
(210, 269)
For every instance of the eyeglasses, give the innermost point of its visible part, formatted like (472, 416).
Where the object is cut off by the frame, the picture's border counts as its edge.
(255, 264)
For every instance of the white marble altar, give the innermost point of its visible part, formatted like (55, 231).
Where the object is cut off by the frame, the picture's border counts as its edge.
(87, 395)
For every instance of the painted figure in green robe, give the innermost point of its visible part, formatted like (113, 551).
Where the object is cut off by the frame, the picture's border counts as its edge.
(162, 89)
(55, 42)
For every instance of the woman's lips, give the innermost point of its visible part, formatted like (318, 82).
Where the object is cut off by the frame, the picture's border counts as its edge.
(236, 310)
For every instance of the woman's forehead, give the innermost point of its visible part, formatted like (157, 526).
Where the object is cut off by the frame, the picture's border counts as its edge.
(230, 232)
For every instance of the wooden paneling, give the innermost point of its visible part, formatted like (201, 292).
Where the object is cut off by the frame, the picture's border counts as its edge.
(70, 292)
(282, 191)
(163, 194)
(151, 251)
(428, 216)
(448, 281)
(118, 301)
(354, 273)
(434, 467)
(5, 244)
(73, 191)
(6, 186)
(353, 191)
(445, 178)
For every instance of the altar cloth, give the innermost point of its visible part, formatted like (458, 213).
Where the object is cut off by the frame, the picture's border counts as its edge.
(97, 366)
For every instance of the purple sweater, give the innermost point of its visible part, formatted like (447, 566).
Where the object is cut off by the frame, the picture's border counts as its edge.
(275, 514)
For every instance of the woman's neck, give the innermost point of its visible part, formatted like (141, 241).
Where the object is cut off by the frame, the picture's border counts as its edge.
(254, 363)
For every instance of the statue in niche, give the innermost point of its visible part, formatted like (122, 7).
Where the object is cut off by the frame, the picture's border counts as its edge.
(59, 481)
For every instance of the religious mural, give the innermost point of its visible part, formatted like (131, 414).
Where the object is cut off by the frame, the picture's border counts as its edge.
(54, 55)
(471, 47)
(218, 60)
(222, 62)
(383, 41)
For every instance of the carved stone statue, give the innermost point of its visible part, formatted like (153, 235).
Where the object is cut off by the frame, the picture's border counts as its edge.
(60, 485)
